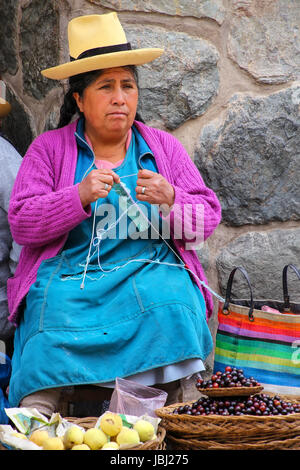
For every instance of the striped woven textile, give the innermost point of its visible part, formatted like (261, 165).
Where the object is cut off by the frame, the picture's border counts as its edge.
(267, 348)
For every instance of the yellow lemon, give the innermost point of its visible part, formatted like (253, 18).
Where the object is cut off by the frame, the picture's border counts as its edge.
(95, 438)
(80, 447)
(110, 446)
(73, 436)
(53, 443)
(145, 430)
(39, 436)
(111, 423)
(128, 436)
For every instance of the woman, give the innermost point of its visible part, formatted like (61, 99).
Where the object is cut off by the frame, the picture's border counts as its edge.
(102, 294)
(10, 161)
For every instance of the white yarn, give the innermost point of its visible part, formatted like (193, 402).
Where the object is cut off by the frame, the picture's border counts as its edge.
(98, 240)
(92, 242)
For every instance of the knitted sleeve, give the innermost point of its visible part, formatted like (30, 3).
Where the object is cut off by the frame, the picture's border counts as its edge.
(39, 212)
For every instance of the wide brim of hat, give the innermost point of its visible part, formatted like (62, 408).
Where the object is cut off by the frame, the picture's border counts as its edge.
(5, 108)
(105, 61)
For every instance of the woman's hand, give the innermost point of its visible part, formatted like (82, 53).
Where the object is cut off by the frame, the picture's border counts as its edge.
(154, 188)
(96, 184)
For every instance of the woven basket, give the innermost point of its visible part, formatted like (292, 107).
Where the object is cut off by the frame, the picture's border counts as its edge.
(87, 423)
(227, 427)
(263, 444)
(155, 444)
(230, 392)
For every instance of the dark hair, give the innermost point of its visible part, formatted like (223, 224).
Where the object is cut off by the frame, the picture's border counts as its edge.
(5, 137)
(78, 83)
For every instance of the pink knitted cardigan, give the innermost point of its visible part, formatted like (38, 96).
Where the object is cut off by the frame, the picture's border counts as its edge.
(45, 203)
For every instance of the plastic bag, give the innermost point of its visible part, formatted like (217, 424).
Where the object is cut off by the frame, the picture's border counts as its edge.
(132, 398)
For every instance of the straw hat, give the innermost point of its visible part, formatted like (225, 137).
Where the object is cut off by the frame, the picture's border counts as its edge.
(99, 42)
(5, 107)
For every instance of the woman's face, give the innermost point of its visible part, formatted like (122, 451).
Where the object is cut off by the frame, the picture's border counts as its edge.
(109, 103)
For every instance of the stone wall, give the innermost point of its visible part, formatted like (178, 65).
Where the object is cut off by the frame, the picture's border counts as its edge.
(228, 87)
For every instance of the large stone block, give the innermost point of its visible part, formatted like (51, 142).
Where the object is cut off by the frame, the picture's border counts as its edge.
(8, 36)
(264, 39)
(182, 83)
(213, 9)
(263, 255)
(39, 45)
(252, 158)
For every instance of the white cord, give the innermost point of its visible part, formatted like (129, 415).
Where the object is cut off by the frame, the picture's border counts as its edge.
(92, 242)
(181, 265)
(126, 176)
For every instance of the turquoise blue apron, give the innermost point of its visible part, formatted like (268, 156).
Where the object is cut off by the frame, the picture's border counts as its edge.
(122, 310)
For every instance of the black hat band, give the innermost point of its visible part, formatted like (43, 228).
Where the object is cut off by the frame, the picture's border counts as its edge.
(103, 50)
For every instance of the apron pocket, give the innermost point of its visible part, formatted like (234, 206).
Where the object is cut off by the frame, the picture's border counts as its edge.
(104, 301)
